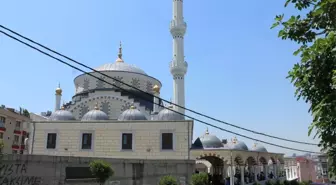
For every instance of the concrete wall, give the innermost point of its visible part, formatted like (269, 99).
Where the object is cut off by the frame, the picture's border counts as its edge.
(107, 139)
(51, 170)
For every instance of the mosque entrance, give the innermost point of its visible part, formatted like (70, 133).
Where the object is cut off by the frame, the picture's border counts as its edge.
(215, 169)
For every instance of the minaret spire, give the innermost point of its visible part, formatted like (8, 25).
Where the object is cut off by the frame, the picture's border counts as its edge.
(178, 67)
(119, 59)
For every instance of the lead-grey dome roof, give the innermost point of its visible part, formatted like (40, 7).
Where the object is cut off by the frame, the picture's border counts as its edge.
(94, 115)
(258, 148)
(168, 115)
(61, 115)
(120, 66)
(208, 141)
(131, 114)
(238, 145)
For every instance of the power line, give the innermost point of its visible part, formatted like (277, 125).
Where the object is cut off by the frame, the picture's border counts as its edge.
(206, 123)
(195, 112)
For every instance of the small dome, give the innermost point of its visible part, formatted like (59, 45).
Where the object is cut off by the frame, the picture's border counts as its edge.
(131, 114)
(208, 141)
(168, 115)
(258, 148)
(237, 145)
(61, 115)
(94, 115)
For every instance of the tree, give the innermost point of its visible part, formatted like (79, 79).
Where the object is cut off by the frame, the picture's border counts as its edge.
(168, 180)
(25, 112)
(101, 170)
(315, 75)
(199, 179)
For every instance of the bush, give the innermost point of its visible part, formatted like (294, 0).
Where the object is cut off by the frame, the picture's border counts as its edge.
(277, 182)
(168, 180)
(101, 170)
(256, 183)
(199, 179)
(268, 182)
(286, 182)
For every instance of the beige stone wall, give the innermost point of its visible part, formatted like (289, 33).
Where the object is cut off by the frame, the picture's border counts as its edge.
(107, 139)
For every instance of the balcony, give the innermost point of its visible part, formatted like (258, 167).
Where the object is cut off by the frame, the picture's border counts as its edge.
(16, 145)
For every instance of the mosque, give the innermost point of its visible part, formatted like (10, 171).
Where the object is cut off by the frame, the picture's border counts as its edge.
(104, 121)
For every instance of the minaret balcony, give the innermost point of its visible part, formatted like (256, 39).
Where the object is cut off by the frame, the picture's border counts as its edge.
(179, 68)
(178, 29)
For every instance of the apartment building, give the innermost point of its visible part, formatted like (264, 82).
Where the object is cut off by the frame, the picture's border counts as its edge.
(13, 130)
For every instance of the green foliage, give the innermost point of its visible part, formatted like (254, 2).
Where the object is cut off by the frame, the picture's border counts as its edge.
(256, 183)
(199, 179)
(168, 180)
(286, 182)
(25, 112)
(294, 182)
(268, 182)
(314, 29)
(277, 182)
(101, 170)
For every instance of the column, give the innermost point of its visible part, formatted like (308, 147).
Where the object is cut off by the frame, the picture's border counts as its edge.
(242, 173)
(256, 171)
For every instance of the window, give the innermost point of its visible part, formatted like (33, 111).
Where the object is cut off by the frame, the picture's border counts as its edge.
(1, 135)
(18, 125)
(167, 141)
(2, 119)
(86, 140)
(127, 141)
(16, 140)
(51, 140)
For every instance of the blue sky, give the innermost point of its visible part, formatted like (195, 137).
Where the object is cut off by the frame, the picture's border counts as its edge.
(237, 65)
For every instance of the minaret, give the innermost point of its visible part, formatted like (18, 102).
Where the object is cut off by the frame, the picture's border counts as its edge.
(178, 67)
(58, 97)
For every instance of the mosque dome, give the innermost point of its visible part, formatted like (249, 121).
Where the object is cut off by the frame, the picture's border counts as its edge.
(237, 145)
(94, 115)
(168, 115)
(120, 65)
(208, 141)
(131, 114)
(258, 148)
(61, 115)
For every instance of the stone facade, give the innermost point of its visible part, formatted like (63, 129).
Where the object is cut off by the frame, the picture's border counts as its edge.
(107, 139)
(63, 170)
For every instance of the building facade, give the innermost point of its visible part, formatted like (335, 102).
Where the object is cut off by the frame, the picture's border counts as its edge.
(117, 139)
(306, 169)
(291, 168)
(13, 130)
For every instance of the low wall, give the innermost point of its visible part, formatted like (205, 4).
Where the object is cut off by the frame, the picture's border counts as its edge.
(63, 170)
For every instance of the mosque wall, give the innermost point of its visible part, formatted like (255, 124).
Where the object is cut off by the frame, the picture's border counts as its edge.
(112, 103)
(64, 170)
(140, 81)
(107, 139)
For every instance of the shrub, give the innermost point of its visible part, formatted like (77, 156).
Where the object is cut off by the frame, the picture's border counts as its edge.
(199, 179)
(268, 182)
(101, 170)
(168, 180)
(256, 183)
(286, 182)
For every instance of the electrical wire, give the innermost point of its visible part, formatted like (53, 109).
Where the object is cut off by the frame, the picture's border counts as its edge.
(195, 112)
(206, 123)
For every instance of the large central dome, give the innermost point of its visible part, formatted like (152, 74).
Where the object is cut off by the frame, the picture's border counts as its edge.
(120, 65)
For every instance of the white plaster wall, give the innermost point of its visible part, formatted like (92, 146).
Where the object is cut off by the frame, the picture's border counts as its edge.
(107, 139)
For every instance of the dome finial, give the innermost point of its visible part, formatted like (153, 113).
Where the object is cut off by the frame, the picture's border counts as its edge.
(207, 131)
(119, 59)
(156, 89)
(96, 106)
(234, 140)
(58, 90)
(255, 145)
